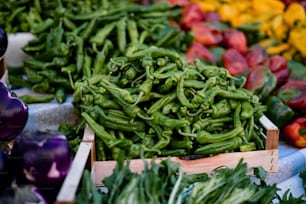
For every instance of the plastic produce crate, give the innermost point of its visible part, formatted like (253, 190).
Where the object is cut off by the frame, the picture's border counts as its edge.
(85, 158)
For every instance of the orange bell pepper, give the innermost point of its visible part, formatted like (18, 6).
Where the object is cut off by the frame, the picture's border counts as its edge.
(295, 132)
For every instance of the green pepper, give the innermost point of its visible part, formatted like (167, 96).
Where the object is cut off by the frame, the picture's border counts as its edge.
(48, 23)
(219, 147)
(100, 131)
(181, 95)
(102, 34)
(247, 110)
(101, 57)
(121, 34)
(132, 30)
(159, 104)
(204, 137)
(118, 123)
(219, 109)
(60, 95)
(29, 99)
(169, 122)
(279, 113)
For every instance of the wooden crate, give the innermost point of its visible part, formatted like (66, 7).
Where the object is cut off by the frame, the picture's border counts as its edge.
(85, 156)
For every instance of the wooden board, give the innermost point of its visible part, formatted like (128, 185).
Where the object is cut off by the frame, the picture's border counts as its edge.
(267, 158)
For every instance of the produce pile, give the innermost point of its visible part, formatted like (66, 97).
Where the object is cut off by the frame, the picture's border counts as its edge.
(151, 101)
(155, 79)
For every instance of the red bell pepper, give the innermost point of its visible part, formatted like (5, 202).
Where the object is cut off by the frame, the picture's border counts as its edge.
(234, 62)
(206, 34)
(295, 132)
(293, 93)
(261, 82)
(192, 14)
(235, 39)
(212, 17)
(279, 67)
(256, 55)
(197, 50)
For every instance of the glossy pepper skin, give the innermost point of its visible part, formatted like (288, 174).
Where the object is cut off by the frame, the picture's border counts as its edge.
(261, 81)
(293, 93)
(13, 114)
(295, 132)
(279, 113)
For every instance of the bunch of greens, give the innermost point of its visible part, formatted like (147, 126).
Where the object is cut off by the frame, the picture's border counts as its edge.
(165, 182)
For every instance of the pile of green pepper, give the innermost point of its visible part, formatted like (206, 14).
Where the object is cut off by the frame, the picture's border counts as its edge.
(73, 44)
(151, 102)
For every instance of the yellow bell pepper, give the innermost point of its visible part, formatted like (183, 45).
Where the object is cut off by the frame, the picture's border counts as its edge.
(273, 50)
(211, 6)
(289, 53)
(298, 40)
(228, 12)
(241, 19)
(295, 15)
(278, 27)
(264, 6)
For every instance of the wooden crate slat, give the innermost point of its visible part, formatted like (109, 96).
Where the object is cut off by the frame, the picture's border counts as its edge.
(268, 159)
(73, 178)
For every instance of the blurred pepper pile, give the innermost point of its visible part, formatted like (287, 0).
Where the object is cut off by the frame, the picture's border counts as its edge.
(260, 40)
(281, 23)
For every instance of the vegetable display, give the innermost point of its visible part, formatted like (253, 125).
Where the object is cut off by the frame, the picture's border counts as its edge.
(13, 114)
(152, 101)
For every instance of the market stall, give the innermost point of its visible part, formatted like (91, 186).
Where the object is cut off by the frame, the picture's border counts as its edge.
(202, 84)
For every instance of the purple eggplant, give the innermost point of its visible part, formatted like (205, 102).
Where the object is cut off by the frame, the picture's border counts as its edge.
(41, 158)
(13, 114)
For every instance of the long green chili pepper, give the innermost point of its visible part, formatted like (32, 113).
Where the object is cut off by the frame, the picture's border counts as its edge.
(216, 91)
(101, 57)
(118, 123)
(60, 95)
(45, 25)
(132, 30)
(89, 29)
(247, 110)
(169, 122)
(204, 137)
(202, 123)
(164, 68)
(145, 89)
(219, 147)
(100, 150)
(87, 65)
(181, 95)
(219, 109)
(99, 131)
(147, 63)
(29, 99)
(128, 108)
(121, 34)
(102, 34)
(159, 104)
